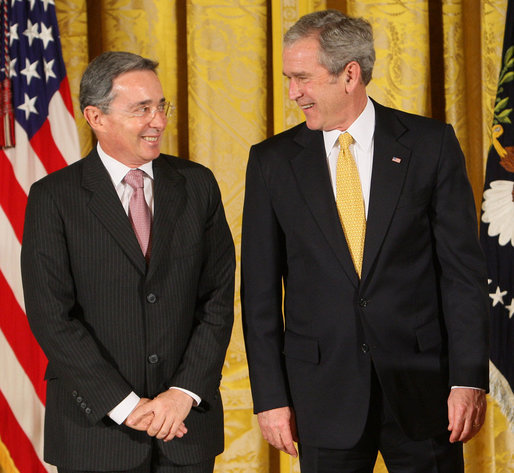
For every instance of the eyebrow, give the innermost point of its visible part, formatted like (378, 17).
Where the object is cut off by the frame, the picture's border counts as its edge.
(145, 102)
(295, 74)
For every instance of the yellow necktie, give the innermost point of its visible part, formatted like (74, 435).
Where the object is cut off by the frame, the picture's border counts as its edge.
(350, 203)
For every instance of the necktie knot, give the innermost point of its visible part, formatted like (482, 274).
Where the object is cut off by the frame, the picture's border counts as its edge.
(134, 178)
(345, 140)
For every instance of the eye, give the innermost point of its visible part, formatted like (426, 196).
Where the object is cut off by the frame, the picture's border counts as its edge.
(161, 107)
(143, 110)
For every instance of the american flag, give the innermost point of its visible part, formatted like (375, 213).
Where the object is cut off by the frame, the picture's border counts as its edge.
(46, 139)
(497, 229)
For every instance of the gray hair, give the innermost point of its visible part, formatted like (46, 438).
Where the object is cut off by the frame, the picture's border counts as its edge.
(342, 39)
(96, 83)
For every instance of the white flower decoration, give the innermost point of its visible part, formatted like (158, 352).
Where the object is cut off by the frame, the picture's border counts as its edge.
(498, 207)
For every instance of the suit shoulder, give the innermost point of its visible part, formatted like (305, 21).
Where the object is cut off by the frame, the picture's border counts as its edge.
(419, 121)
(411, 121)
(281, 139)
(195, 175)
(282, 147)
(64, 177)
(183, 165)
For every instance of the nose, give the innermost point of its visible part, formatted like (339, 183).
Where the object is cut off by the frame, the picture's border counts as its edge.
(294, 90)
(159, 119)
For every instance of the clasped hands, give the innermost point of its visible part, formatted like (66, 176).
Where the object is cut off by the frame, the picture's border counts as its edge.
(162, 417)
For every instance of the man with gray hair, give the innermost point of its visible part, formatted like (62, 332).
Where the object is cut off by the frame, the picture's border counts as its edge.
(128, 276)
(364, 288)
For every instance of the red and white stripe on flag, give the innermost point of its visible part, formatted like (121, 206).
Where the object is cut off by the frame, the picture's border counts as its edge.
(46, 139)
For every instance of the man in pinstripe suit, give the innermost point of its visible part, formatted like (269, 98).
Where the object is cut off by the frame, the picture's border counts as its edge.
(135, 342)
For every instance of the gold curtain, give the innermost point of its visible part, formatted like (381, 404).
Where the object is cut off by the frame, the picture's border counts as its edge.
(220, 63)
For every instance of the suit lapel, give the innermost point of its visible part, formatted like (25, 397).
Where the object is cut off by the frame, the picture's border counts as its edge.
(106, 206)
(169, 201)
(311, 171)
(390, 164)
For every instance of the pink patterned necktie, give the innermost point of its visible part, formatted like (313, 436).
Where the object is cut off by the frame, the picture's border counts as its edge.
(139, 213)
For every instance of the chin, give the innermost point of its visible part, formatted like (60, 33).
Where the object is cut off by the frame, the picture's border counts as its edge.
(312, 126)
(152, 154)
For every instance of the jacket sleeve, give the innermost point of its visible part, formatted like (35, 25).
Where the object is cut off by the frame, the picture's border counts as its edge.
(202, 362)
(262, 270)
(55, 316)
(463, 277)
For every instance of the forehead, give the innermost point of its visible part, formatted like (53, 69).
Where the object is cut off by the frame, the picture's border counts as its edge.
(302, 54)
(137, 86)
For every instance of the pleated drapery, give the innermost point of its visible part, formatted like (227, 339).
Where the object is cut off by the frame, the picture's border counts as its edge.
(220, 64)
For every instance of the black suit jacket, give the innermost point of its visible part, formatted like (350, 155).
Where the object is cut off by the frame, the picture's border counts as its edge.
(110, 325)
(419, 313)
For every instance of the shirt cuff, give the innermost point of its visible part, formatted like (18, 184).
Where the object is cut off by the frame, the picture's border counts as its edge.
(196, 398)
(124, 408)
(468, 387)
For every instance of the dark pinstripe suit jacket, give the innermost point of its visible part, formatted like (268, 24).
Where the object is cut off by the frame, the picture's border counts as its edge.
(110, 325)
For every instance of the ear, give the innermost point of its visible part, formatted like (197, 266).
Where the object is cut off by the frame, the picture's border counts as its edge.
(352, 75)
(94, 116)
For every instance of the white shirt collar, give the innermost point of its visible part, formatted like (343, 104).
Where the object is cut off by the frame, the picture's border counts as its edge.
(118, 170)
(362, 130)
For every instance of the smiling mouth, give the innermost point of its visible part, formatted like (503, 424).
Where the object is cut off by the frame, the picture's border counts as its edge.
(151, 139)
(305, 107)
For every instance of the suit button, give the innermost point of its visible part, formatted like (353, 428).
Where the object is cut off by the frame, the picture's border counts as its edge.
(151, 298)
(153, 358)
(363, 302)
(364, 348)
(79, 399)
(83, 405)
(74, 393)
(88, 410)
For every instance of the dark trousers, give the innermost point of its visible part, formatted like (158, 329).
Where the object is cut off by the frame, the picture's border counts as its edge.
(382, 433)
(157, 463)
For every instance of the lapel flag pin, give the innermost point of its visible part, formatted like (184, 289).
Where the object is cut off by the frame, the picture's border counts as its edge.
(397, 160)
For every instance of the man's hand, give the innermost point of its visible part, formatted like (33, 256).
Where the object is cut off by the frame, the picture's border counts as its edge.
(143, 422)
(278, 427)
(167, 413)
(466, 413)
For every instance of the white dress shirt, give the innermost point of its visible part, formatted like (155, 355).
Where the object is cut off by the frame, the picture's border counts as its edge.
(362, 131)
(117, 171)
